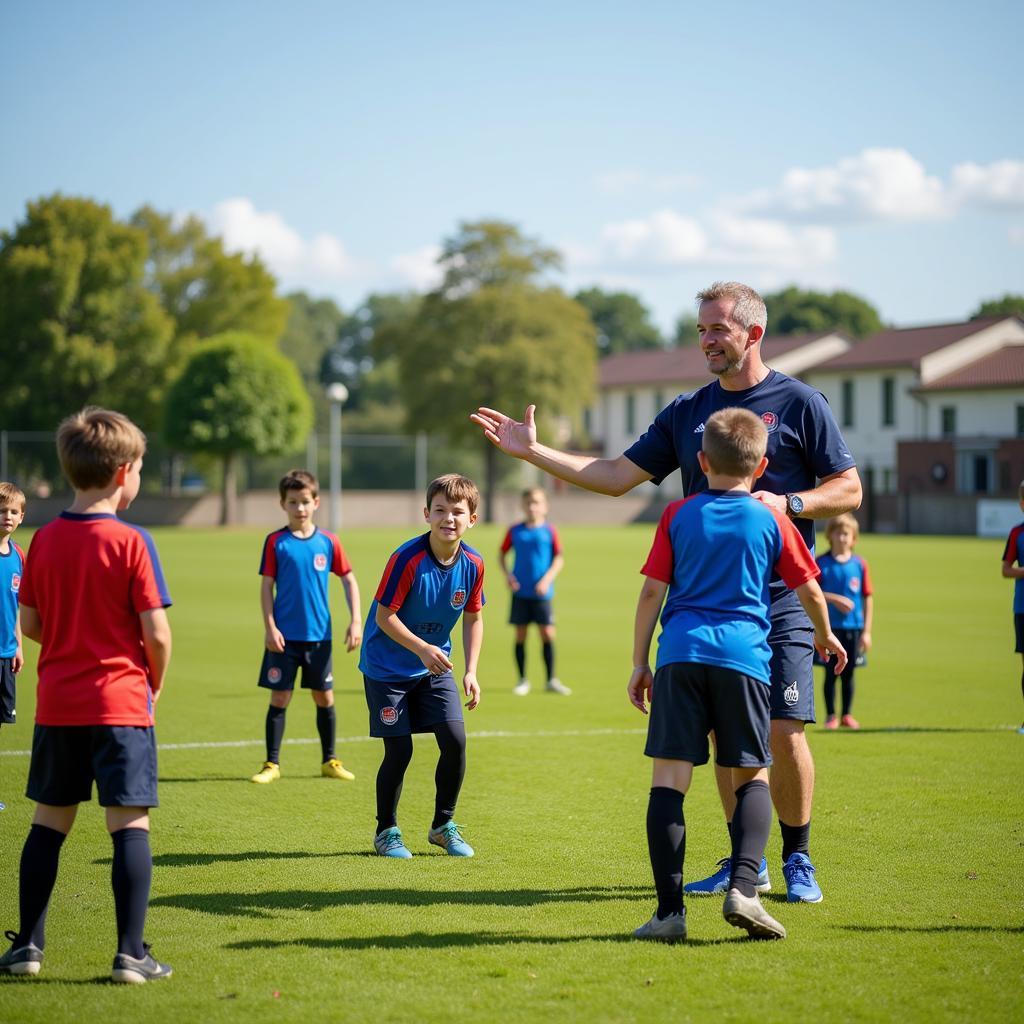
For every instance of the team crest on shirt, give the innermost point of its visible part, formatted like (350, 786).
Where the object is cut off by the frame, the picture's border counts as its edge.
(770, 420)
(274, 675)
(15, 583)
(855, 583)
(388, 715)
(320, 562)
(458, 598)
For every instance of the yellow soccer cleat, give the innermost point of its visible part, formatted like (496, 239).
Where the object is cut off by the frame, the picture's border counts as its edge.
(268, 773)
(334, 769)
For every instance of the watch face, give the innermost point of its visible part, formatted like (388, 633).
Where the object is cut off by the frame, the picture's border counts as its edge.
(796, 504)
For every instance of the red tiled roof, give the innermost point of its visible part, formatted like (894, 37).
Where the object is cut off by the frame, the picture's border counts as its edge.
(1002, 369)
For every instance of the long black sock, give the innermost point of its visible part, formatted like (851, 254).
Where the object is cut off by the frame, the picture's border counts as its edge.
(750, 827)
(451, 769)
(548, 649)
(130, 877)
(397, 755)
(39, 859)
(795, 839)
(830, 692)
(326, 725)
(521, 659)
(275, 733)
(666, 844)
(847, 694)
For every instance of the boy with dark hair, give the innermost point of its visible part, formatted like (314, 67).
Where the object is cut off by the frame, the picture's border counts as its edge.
(94, 599)
(538, 560)
(295, 567)
(428, 584)
(713, 555)
(1013, 569)
(12, 568)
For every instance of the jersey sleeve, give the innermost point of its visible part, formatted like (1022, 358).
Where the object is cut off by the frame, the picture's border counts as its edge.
(1011, 551)
(827, 452)
(340, 564)
(398, 578)
(148, 587)
(866, 589)
(506, 544)
(556, 542)
(795, 564)
(268, 560)
(476, 599)
(655, 451)
(660, 562)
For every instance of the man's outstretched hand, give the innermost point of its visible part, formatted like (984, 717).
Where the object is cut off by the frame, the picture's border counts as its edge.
(503, 432)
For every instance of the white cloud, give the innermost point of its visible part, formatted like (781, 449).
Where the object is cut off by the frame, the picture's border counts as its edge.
(1000, 184)
(419, 269)
(664, 237)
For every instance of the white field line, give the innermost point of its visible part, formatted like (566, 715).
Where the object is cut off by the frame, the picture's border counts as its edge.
(485, 735)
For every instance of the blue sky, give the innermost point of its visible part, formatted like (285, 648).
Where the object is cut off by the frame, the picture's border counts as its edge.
(870, 146)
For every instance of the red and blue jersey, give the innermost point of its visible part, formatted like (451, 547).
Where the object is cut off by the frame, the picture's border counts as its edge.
(300, 568)
(90, 577)
(534, 548)
(429, 598)
(1014, 552)
(12, 568)
(717, 551)
(850, 579)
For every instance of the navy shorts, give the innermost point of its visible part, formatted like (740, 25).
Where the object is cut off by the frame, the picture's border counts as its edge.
(689, 700)
(792, 673)
(66, 759)
(278, 670)
(415, 705)
(7, 714)
(525, 610)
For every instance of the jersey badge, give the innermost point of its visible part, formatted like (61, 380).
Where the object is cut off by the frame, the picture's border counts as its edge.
(855, 583)
(458, 598)
(15, 583)
(770, 420)
(388, 715)
(791, 694)
(320, 562)
(274, 676)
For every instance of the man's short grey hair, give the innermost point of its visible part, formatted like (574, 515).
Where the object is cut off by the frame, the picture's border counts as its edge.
(749, 309)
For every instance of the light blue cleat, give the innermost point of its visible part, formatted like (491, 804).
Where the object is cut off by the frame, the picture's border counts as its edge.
(800, 884)
(389, 843)
(448, 838)
(718, 883)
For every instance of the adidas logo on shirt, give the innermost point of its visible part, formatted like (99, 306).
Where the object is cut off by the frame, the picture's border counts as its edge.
(699, 429)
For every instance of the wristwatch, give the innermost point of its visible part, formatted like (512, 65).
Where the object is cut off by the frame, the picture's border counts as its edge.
(794, 505)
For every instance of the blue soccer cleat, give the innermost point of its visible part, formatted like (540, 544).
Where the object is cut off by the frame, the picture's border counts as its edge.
(800, 884)
(388, 843)
(449, 839)
(718, 883)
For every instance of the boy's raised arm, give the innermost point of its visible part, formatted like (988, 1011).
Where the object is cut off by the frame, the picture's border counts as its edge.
(435, 661)
(156, 639)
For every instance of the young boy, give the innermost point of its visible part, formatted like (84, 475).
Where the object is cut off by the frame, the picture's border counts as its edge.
(12, 568)
(296, 564)
(538, 560)
(1013, 569)
(714, 554)
(846, 584)
(428, 583)
(94, 599)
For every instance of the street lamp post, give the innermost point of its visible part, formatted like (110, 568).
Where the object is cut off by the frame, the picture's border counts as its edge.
(337, 393)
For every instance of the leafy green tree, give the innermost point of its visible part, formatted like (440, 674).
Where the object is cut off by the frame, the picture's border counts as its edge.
(76, 321)
(796, 311)
(685, 331)
(237, 396)
(622, 321)
(493, 253)
(1008, 305)
(312, 329)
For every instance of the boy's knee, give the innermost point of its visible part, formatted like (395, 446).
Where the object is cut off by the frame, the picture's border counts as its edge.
(323, 698)
(280, 698)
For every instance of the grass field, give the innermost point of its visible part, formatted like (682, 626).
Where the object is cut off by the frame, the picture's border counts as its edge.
(270, 907)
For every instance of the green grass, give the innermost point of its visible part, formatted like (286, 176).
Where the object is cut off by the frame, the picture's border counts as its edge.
(270, 907)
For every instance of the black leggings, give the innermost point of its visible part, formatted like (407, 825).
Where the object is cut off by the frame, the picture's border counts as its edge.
(850, 639)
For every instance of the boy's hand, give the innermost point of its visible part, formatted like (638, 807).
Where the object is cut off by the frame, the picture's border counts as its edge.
(275, 640)
(542, 586)
(435, 661)
(353, 635)
(865, 641)
(830, 644)
(18, 661)
(640, 688)
(844, 604)
(472, 688)
(513, 583)
(156, 693)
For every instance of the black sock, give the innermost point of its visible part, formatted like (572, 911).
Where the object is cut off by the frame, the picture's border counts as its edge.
(275, 733)
(450, 771)
(830, 693)
(397, 755)
(750, 827)
(130, 877)
(326, 725)
(548, 648)
(521, 659)
(795, 839)
(847, 695)
(666, 844)
(39, 859)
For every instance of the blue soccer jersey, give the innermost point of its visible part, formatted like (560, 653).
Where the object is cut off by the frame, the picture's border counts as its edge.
(534, 548)
(850, 579)
(429, 598)
(717, 551)
(1014, 553)
(300, 568)
(12, 568)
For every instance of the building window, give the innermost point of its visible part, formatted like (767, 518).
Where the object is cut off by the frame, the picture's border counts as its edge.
(659, 401)
(630, 413)
(947, 417)
(888, 401)
(888, 481)
(1020, 420)
(846, 402)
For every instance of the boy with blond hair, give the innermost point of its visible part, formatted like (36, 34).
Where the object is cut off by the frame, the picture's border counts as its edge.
(12, 568)
(94, 599)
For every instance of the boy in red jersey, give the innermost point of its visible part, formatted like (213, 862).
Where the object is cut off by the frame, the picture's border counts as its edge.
(94, 600)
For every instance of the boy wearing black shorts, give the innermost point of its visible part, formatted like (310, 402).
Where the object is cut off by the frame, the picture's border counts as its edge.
(713, 555)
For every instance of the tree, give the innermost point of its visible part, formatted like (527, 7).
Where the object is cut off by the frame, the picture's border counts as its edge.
(622, 321)
(493, 253)
(76, 321)
(685, 330)
(795, 311)
(312, 329)
(1008, 305)
(237, 396)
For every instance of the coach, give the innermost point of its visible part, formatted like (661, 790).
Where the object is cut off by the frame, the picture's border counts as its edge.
(811, 475)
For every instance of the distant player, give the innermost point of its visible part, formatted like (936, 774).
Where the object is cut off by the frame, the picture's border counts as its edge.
(537, 560)
(296, 565)
(429, 583)
(94, 599)
(12, 568)
(714, 554)
(846, 583)
(1013, 569)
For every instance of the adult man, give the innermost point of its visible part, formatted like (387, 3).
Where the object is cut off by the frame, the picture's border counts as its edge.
(811, 475)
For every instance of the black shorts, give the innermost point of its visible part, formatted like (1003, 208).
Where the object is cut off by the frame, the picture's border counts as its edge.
(278, 670)
(525, 610)
(689, 700)
(7, 713)
(415, 705)
(66, 758)
(1018, 625)
(792, 672)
